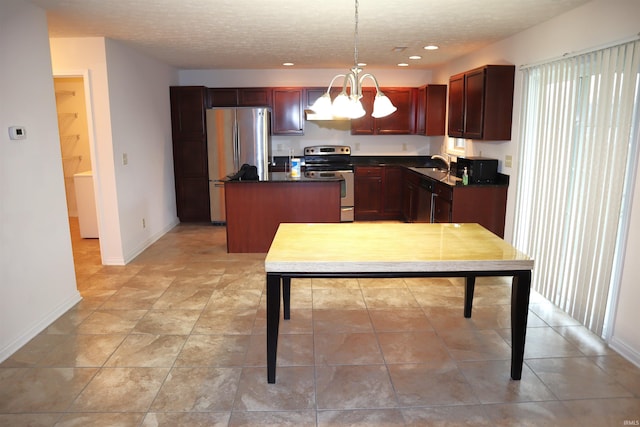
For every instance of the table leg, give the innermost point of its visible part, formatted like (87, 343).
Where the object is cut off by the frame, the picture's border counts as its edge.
(469, 287)
(273, 322)
(286, 297)
(519, 312)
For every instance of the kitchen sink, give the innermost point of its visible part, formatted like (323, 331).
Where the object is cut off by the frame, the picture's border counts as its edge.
(438, 174)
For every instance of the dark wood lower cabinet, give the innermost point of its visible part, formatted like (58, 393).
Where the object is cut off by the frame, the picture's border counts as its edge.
(485, 205)
(378, 192)
(256, 209)
(422, 199)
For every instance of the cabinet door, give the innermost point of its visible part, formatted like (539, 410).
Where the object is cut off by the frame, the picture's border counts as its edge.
(421, 111)
(402, 122)
(411, 183)
(311, 94)
(223, 97)
(187, 111)
(436, 110)
(456, 106)
(368, 203)
(441, 210)
(392, 191)
(498, 102)
(368, 193)
(287, 111)
(366, 124)
(442, 200)
(254, 97)
(474, 104)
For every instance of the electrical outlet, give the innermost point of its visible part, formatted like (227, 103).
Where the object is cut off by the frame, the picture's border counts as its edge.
(357, 146)
(125, 159)
(144, 223)
(404, 147)
(508, 161)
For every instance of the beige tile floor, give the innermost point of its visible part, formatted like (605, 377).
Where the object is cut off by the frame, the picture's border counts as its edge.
(176, 338)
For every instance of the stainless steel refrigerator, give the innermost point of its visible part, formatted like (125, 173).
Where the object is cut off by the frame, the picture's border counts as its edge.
(235, 136)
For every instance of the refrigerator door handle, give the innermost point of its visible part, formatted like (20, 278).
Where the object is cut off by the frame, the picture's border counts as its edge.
(236, 146)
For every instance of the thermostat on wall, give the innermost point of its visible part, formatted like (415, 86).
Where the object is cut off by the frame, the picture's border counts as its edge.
(17, 132)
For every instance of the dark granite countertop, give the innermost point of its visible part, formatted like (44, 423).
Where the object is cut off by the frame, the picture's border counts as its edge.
(286, 177)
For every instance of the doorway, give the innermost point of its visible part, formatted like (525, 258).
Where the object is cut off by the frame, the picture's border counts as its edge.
(75, 150)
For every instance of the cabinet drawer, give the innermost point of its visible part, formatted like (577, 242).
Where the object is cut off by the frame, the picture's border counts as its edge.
(443, 191)
(368, 171)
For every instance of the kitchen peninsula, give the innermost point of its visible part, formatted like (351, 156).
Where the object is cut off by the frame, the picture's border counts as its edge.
(254, 209)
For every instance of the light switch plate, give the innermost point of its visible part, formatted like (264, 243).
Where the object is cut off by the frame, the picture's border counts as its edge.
(17, 132)
(508, 161)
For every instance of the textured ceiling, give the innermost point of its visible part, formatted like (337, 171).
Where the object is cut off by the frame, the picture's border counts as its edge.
(254, 34)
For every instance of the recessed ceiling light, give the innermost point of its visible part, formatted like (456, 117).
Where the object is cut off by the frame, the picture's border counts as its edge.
(403, 64)
(431, 47)
(362, 64)
(415, 57)
(399, 49)
(288, 64)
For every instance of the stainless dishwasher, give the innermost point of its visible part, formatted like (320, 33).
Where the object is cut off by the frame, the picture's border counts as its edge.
(425, 201)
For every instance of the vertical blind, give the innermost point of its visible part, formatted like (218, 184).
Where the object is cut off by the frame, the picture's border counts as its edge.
(578, 130)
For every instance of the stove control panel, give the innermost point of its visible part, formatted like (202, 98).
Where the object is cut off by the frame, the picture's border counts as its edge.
(327, 150)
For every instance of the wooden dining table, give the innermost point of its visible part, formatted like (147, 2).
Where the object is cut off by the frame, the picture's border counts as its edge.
(394, 250)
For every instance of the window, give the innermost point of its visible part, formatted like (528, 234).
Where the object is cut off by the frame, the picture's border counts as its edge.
(578, 138)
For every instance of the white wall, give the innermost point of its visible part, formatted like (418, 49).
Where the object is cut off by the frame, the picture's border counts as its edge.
(593, 25)
(37, 279)
(141, 128)
(131, 114)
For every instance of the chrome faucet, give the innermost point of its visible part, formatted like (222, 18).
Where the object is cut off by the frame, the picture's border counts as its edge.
(446, 160)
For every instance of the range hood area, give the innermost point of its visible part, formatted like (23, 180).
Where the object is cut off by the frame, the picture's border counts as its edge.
(311, 116)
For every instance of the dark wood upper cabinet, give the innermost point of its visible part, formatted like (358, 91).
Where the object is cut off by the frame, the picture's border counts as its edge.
(222, 97)
(254, 97)
(401, 122)
(311, 94)
(239, 97)
(481, 103)
(456, 106)
(365, 125)
(287, 114)
(431, 110)
(187, 111)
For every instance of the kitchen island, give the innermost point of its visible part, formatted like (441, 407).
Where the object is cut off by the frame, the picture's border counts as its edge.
(387, 250)
(254, 209)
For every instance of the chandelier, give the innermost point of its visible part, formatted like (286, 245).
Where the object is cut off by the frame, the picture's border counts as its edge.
(349, 105)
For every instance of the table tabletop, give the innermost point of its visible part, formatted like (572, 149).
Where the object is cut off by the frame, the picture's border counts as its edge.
(390, 247)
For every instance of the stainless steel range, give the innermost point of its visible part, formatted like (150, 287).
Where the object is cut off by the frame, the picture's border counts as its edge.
(328, 161)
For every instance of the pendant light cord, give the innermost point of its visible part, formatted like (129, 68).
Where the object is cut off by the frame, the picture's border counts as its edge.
(355, 49)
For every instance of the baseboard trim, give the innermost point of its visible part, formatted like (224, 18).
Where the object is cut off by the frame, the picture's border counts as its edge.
(150, 241)
(625, 351)
(40, 326)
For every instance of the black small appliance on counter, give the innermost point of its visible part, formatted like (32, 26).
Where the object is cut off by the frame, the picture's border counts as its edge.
(481, 170)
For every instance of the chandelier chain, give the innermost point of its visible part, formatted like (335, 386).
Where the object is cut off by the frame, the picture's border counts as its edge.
(355, 49)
